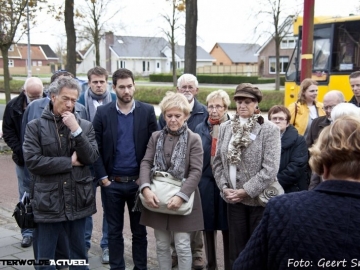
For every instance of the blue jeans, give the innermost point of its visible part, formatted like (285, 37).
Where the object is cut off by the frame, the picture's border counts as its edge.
(114, 197)
(23, 185)
(89, 228)
(48, 234)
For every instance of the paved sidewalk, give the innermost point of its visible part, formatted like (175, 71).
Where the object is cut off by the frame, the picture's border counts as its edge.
(10, 247)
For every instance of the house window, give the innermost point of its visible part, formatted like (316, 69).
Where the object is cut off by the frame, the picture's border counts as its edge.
(144, 64)
(284, 62)
(178, 64)
(148, 66)
(34, 63)
(120, 64)
(287, 43)
(39, 63)
(11, 49)
(10, 63)
(158, 65)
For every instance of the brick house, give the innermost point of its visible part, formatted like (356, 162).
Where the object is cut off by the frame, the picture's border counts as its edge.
(43, 59)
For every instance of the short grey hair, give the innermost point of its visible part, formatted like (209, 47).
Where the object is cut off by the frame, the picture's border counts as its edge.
(219, 94)
(187, 77)
(31, 81)
(345, 109)
(68, 82)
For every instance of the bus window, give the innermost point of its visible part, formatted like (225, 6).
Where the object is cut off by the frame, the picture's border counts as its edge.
(346, 47)
(291, 71)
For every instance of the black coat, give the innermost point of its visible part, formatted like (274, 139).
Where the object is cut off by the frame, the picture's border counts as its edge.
(214, 207)
(313, 226)
(292, 173)
(198, 114)
(59, 190)
(11, 128)
(316, 127)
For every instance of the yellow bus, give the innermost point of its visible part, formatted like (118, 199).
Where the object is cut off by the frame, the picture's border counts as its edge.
(336, 54)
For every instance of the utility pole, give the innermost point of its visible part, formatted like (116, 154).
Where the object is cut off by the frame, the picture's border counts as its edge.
(28, 45)
(307, 40)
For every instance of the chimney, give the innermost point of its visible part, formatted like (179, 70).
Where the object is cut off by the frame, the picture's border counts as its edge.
(109, 41)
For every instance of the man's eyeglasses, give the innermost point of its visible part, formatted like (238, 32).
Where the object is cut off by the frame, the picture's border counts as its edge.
(186, 87)
(217, 107)
(329, 108)
(276, 119)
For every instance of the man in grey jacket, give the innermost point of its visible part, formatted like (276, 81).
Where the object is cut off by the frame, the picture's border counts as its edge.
(58, 149)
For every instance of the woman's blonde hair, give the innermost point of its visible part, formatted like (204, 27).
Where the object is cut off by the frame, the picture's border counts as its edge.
(305, 84)
(338, 149)
(219, 94)
(175, 101)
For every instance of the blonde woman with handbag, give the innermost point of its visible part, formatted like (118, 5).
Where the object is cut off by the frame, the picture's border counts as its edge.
(174, 152)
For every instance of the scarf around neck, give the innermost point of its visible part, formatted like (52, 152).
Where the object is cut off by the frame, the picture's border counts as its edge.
(177, 161)
(214, 127)
(89, 101)
(241, 137)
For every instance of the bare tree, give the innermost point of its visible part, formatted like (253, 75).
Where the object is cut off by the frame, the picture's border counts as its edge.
(190, 36)
(12, 18)
(276, 19)
(174, 23)
(71, 37)
(95, 16)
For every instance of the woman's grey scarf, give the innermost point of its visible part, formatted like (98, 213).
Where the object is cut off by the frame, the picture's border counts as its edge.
(89, 101)
(177, 162)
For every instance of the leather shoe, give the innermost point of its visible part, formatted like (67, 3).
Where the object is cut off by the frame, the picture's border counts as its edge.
(198, 263)
(26, 241)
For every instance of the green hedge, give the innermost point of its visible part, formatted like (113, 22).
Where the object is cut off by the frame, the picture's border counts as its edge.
(154, 95)
(216, 79)
(15, 86)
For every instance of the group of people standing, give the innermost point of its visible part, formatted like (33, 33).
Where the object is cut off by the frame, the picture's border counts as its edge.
(73, 142)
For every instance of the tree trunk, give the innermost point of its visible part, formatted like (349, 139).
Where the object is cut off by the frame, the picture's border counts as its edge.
(277, 63)
(5, 55)
(71, 37)
(173, 61)
(190, 37)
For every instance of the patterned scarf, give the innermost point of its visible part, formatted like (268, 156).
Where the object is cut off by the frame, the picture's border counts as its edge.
(214, 127)
(89, 101)
(241, 134)
(177, 162)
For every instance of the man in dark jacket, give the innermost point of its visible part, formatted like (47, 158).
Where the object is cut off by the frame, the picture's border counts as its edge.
(123, 128)
(331, 99)
(188, 85)
(14, 110)
(58, 149)
(355, 87)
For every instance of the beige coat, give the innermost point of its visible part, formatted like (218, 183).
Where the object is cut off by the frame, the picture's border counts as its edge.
(193, 165)
(261, 159)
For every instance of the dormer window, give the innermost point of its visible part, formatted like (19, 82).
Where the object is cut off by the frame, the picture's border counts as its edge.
(11, 49)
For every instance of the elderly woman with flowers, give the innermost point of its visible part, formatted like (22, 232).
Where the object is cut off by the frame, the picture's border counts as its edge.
(246, 162)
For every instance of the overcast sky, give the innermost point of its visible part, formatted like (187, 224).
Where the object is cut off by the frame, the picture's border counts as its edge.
(218, 20)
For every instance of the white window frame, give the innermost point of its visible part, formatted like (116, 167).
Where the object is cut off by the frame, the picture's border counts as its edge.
(288, 43)
(11, 48)
(283, 59)
(11, 63)
(39, 63)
